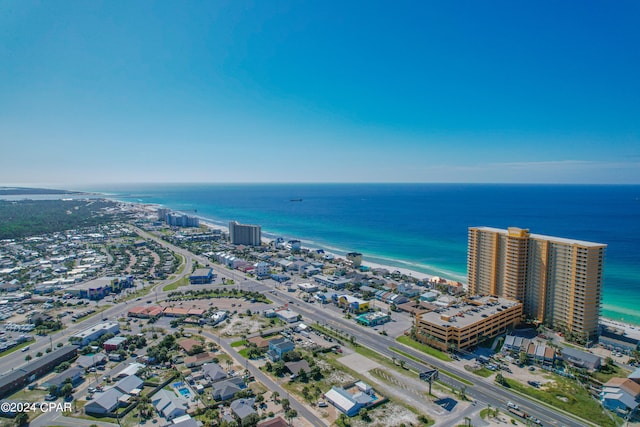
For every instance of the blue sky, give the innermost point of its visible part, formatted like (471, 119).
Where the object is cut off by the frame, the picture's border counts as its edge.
(319, 91)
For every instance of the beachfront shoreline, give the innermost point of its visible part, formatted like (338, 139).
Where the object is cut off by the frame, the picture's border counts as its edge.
(630, 328)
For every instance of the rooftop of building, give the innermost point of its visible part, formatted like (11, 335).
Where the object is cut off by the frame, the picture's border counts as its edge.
(202, 272)
(562, 240)
(469, 312)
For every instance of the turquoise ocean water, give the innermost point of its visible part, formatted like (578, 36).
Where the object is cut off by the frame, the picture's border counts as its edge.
(424, 226)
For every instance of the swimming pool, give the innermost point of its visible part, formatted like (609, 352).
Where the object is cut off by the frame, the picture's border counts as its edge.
(182, 389)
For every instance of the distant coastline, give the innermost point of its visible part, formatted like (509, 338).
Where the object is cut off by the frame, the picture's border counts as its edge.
(15, 191)
(422, 227)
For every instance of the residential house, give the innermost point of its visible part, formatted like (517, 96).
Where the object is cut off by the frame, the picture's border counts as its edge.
(73, 374)
(259, 342)
(129, 385)
(190, 345)
(242, 408)
(226, 389)
(296, 367)
(581, 359)
(198, 359)
(273, 422)
(168, 404)
(620, 395)
(104, 403)
(86, 362)
(350, 404)
(184, 421)
(408, 290)
(126, 371)
(213, 372)
(278, 347)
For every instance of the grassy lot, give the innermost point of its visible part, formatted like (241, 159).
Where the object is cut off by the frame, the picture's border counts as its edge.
(423, 348)
(568, 396)
(182, 264)
(483, 372)
(175, 285)
(219, 293)
(610, 371)
(29, 395)
(239, 343)
(447, 373)
(98, 311)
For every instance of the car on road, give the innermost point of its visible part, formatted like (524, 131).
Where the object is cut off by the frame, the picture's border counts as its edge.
(512, 405)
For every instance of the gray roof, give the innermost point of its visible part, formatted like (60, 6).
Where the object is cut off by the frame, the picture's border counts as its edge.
(243, 407)
(59, 379)
(228, 387)
(128, 384)
(587, 359)
(214, 371)
(166, 401)
(89, 361)
(106, 401)
(635, 374)
(191, 422)
(37, 364)
(296, 367)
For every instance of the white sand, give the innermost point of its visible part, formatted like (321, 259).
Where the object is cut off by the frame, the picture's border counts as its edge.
(629, 329)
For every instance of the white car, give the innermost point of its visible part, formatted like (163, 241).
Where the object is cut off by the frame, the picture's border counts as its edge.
(512, 405)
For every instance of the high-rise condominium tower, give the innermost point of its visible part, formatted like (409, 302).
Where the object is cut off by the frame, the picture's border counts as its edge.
(245, 234)
(558, 280)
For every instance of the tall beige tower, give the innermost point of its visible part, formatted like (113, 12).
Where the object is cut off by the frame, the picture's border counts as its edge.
(558, 280)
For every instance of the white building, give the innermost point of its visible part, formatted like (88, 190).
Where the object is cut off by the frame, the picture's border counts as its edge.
(94, 332)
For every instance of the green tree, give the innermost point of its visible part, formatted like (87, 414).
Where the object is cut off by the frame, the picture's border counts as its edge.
(302, 376)
(21, 419)
(291, 414)
(53, 390)
(66, 390)
(250, 420)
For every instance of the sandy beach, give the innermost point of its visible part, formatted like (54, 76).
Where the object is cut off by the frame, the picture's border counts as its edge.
(628, 329)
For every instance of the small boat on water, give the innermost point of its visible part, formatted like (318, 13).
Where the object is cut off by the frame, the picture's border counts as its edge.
(295, 200)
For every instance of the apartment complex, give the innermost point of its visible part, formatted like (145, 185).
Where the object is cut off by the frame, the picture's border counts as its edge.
(177, 220)
(245, 234)
(465, 325)
(558, 280)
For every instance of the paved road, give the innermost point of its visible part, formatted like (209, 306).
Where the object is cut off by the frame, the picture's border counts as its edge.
(303, 411)
(484, 392)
